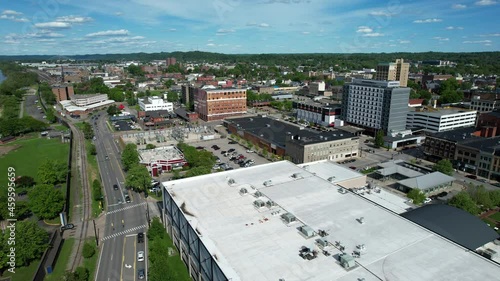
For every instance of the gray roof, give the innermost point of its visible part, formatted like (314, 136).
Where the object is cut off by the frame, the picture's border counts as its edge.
(427, 181)
(456, 135)
(454, 224)
(276, 131)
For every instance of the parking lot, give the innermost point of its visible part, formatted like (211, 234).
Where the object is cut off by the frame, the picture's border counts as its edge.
(33, 108)
(123, 125)
(235, 148)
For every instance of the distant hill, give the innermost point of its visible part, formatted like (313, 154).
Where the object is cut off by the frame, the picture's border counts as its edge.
(488, 62)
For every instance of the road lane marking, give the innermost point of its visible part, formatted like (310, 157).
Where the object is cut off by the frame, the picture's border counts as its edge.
(99, 262)
(124, 232)
(123, 259)
(125, 208)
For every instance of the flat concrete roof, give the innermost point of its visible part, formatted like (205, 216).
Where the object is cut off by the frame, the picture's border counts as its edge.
(326, 169)
(255, 244)
(427, 181)
(160, 153)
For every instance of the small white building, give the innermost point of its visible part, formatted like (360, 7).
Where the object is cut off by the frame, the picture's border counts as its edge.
(441, 120)
(155, 103)
(86, 100)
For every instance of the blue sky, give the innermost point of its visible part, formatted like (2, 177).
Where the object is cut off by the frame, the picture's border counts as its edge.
(67, 27)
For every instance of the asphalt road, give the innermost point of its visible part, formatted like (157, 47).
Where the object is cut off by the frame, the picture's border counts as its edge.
(118, 259)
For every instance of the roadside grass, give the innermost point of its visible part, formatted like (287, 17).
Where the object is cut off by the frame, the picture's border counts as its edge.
(110, 127)
(495, 216)
(30, 154)
(59, 127)
(91, 263)
(93, 173)
(369, 171)
(62, 261)
(22, 273)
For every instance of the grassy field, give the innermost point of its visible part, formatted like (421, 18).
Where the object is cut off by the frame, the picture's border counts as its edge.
(495, 216)
(22, 273)
(30, 154)
(59, 128)
(62, 261)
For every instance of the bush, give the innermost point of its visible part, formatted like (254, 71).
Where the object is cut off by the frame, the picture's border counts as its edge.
(88, 250)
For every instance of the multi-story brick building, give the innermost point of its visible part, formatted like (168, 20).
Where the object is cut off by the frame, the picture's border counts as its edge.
(393, 71)
(219, 104)
(63, 92)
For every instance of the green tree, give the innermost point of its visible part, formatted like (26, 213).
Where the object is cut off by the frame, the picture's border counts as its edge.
(379, 139)
(138, 178)
(444, 166)
(112, 110)
(80, 274)
(92, 149)
(50, 115)
(97, 190)
(25, 181)
(135, 70)
(495, 197)
(172, 97)
(198, 171)
(130, 156)
(88, 250)
(463, 201)
(169, 83)
(52, 172)
(481, 196)
(31, 242)
(156, 231)
(416, 195)
(45, 201)
(87, 130)
(150, 146)
(176, 175)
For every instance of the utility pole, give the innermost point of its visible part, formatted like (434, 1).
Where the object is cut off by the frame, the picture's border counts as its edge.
(96, 236)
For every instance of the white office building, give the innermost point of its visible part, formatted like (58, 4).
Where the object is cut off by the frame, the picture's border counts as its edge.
(155, 103)
(441, 120)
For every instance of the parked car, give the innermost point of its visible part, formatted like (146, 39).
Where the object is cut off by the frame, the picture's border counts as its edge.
(115, 186)
(427, 200)
(232, 142)
(471, 177)
(140, 237)
(223, 152)
(200, 147)
(352, 168)
(140, 273)
(231, 150)
(249, 151)
(140, 256)
(127, 198)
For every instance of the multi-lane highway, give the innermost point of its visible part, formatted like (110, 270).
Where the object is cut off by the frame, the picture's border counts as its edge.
(123, 221)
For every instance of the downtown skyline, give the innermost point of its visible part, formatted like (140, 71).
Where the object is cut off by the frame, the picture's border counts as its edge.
(67, 27)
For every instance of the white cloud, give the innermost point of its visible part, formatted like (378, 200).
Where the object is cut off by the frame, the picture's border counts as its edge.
(477, 42)
(381, 13)
(222, 31)
(404, 41)
(376, 34)
(441, 38)
(364, 29)
(427, 21)
(306, 32)
(458, 6)
(211, 45)
(14, 18)
(74, 19)
(486, 2)
(454, 27)
(11, 12)
(172, 30)
(53, 25)
(490, 35)
(118, 14)
(120, 32)
(264, 25)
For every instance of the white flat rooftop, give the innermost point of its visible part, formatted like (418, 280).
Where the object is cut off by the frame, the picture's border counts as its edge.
(166, 153)
(255, 244)
(326, 169)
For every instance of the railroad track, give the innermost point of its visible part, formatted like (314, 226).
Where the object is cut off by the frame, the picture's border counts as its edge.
(86, 196)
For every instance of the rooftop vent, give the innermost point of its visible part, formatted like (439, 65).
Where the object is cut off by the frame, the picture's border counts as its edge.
(296, 176)
(243, 191)
(231, 181)
(322, 242)
(251, 119)
(268, 183)
(331, 179)
(361, 220)
(268, 125)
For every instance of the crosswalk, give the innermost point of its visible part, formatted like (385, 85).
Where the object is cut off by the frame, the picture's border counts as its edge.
(120, 233)
(126, 208)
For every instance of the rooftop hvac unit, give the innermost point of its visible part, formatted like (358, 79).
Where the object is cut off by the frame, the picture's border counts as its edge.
(322, 242)
(243, 191)
(307, 231)
(259, 203)
(258, 194)
(231, 181)
(331, 179)
(288, 217)
(268, 183)
(270, 204)
(296, 175)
